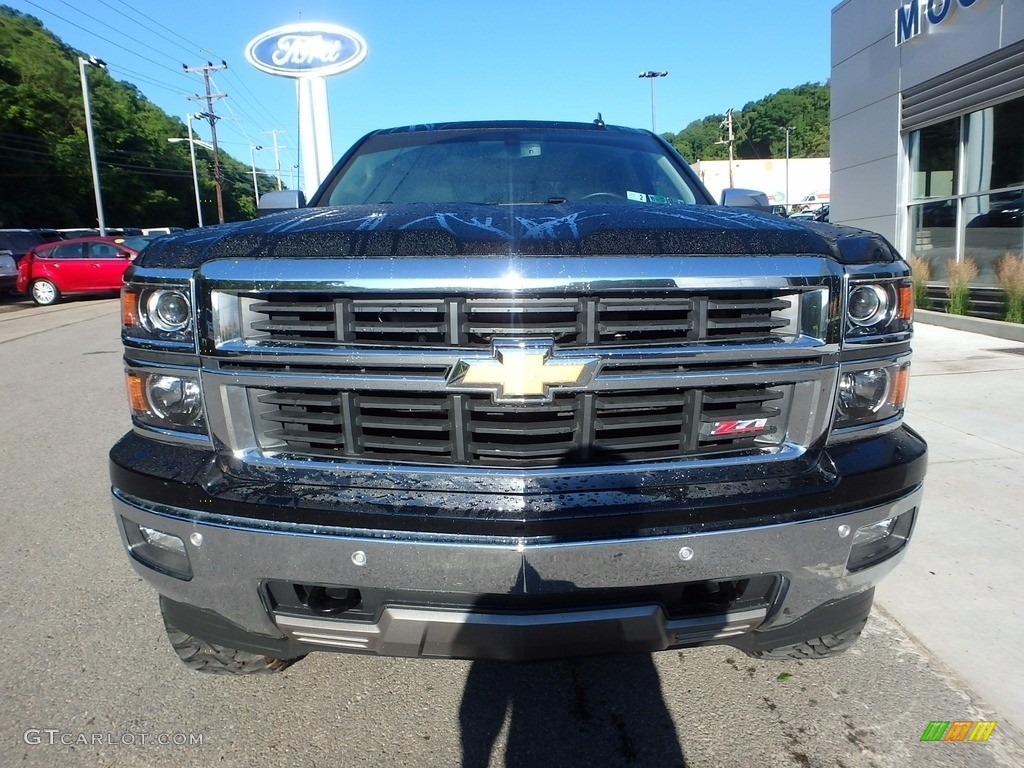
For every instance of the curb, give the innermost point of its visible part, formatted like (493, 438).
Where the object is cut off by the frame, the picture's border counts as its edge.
(996, 328)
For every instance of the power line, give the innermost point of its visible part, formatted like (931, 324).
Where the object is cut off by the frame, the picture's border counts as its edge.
(194, 47)
(135, 20)
(101, 37)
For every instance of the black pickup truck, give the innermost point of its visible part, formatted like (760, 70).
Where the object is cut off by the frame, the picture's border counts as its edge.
(514, 390)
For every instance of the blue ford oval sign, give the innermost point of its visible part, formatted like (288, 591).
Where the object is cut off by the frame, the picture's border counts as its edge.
(306, 50)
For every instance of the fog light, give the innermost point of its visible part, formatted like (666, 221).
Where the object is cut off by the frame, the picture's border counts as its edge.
(158, 550)
(879, 541)
(163, 540)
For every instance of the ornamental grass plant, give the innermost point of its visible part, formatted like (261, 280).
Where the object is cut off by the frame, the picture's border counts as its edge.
(920, 274)
(960, 273)
(1010, 274)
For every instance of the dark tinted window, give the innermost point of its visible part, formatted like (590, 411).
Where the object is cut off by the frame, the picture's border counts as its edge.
(502, 165)
(104, 250)
(69, 251)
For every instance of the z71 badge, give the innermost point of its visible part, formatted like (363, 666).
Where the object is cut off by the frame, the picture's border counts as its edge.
(733, 427)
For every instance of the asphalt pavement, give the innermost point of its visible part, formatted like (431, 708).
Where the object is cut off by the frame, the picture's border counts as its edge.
(88, 677)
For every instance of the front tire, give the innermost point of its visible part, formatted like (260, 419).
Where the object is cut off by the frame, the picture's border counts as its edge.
(202, 656)
(822, 647)
(44, 293)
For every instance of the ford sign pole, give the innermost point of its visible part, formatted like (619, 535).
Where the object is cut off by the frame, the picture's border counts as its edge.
(309, 53)
(92, 139)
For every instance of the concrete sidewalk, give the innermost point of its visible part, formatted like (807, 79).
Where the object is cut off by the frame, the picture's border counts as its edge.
(960, 590)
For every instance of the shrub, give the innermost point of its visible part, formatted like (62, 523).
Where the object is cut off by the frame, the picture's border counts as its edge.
(920, 274)
(960, 275)
(1010, 274)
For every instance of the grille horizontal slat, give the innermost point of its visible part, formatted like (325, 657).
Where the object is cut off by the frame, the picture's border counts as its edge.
(396, 445)
(293, 436)
(304, 417)
(540, 428)
(533, 317)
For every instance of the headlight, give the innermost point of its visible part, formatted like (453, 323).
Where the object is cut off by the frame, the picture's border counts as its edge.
(862, 393)
(157, 313)
(878, 308)
(871, 393)
(168, 311)
(165, 400)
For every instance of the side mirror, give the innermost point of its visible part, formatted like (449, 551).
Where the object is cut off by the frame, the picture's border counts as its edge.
(745, 198)
(281, 200)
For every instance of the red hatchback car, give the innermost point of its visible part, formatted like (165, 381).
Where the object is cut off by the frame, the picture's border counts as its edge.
(82, 265)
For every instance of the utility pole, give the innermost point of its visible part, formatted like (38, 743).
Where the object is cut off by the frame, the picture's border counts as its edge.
(212, 118)
(727, 123)
(277, 154)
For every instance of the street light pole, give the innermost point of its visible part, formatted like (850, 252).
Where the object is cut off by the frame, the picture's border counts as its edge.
(652, 76)
(92, 139)
(195, 173)
(252, 158)
(787, 129)
(192, 141)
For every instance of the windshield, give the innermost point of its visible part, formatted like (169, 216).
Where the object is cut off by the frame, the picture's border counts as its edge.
(507, 166)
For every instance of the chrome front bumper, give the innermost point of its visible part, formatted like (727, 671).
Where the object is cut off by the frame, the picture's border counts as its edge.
(231, 558)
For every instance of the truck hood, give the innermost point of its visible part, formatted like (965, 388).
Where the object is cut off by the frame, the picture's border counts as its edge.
(466, 230)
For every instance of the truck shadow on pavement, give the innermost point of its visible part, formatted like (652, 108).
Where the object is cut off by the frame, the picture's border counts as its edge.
(604, 711)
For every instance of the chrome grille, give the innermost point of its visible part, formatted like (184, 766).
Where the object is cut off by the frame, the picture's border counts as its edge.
(360, 361)
(473, 323)
(469, 429)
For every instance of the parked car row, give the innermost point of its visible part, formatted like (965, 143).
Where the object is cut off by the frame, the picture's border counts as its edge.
(47, 265)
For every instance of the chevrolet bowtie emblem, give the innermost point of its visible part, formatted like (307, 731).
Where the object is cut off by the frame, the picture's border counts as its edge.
(522, 371)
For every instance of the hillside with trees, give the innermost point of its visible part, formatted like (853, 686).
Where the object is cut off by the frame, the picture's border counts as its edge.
(45, 178)
(758, 128)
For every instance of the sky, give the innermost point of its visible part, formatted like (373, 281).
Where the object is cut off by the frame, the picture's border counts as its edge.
(442, 60)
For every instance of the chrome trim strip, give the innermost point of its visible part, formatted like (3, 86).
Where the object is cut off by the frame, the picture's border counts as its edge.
(424, 632)
(606, 383)
(242, 352)
(517, 274)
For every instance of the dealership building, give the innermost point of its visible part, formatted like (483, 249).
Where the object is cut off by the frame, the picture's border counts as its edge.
(928, 126)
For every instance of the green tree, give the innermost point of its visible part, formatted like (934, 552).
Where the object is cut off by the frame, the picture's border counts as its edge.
(45, 176)
(759, 128)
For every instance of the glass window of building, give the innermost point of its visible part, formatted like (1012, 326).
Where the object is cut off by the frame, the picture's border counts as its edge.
(933, 156)
(967, 190)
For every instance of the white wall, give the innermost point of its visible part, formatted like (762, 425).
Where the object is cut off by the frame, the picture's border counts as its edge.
(807, 176)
